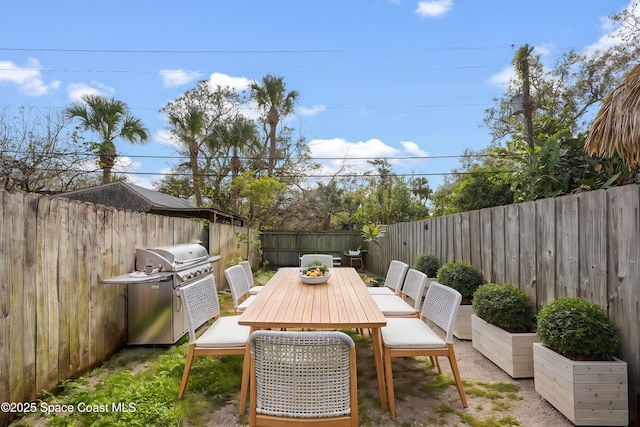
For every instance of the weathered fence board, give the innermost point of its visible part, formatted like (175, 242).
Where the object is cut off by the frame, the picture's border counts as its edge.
(4, 303)
(528, 258)
(593, 247)
(512, 244)
(567, 269)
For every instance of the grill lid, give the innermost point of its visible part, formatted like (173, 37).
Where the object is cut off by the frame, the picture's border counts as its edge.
(171, 257)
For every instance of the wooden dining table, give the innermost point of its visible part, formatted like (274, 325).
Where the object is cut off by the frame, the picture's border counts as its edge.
(343, 302)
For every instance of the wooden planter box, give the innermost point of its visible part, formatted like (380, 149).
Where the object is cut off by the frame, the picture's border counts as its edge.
(462, 329)
(587, 393)
(513, 353)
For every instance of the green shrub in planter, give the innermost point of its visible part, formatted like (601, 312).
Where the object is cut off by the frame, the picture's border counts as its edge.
(428, 264)
(462, 277)
(505, 306)
(578, 330)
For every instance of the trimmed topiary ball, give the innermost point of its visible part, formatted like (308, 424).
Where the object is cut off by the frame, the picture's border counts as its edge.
(505, 306)
(578, 330)
(428, 264)
(461, 277)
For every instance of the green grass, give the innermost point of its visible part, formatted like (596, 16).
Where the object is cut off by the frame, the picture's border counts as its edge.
(120, 393)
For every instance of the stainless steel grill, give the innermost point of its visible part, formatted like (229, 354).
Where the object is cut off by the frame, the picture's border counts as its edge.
(154, 309)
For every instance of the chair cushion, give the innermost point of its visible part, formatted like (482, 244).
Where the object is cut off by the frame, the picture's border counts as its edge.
(225, 332)
(255, 289)
(244, 304)
(382, 290)
(409, 333)
(393, 305)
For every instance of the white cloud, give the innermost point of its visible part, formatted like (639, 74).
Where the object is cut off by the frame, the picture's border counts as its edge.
(502, 78)
(413, 149)
(236, 83)
(434, 7)
(338, 154)
(76, 90)
(173, 78)
(310, 111)
(164, 137)
(28, 79)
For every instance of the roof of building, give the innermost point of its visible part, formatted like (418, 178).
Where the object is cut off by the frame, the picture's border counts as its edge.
(126, 196)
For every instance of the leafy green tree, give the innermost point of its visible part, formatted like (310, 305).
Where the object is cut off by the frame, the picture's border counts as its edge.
(109, 119)
(386, 199)
(274, 102)
(559, 165)
(261, 194)
(563, 95)
(194, 119)
(478, 184)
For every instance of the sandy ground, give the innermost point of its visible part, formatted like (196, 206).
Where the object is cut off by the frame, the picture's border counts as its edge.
(416, 406)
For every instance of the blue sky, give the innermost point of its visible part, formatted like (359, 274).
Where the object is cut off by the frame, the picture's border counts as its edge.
(403, 79)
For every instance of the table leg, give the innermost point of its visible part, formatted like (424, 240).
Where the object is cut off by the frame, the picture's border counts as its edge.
(377, 355)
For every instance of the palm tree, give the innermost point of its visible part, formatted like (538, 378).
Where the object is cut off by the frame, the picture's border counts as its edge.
(275, 102)
(190, 129)
(238, 134)
(110, 119)
(615, 128)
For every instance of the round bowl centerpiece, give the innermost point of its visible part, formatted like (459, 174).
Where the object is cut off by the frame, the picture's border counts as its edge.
(314, 274)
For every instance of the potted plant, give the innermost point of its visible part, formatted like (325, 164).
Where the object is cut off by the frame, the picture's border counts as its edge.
(466, 280)
(428, 264)
(575, 368)
(503, 327)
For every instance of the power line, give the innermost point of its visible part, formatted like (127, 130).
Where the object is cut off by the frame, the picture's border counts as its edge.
(237, 51)
(187, 51)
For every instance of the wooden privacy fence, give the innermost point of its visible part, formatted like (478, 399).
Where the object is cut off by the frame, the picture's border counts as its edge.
(283, 248)
(584, 245)
(57, 318)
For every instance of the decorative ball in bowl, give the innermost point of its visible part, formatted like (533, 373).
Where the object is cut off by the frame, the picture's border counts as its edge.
(314, 275)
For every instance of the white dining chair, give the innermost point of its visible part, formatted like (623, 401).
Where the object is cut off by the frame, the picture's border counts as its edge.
(224, 336)
(253, 288)
(301, 378)
(393, 281)
(239, 285)
(410, 337)
(396, 305)
(326, 260)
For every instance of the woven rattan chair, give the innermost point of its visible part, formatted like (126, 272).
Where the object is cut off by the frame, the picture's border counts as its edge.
(300, 378)
(404, 337)
(393, 281)
(395, 305)
(239, 284)
(224, 336)
(326, 260)
(253, 288)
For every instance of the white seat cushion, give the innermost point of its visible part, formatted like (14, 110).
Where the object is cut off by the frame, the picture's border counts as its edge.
(409, 333)
(225, 332)
(244, 304)
(255, 289)
(383, 290)
(393, 305)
